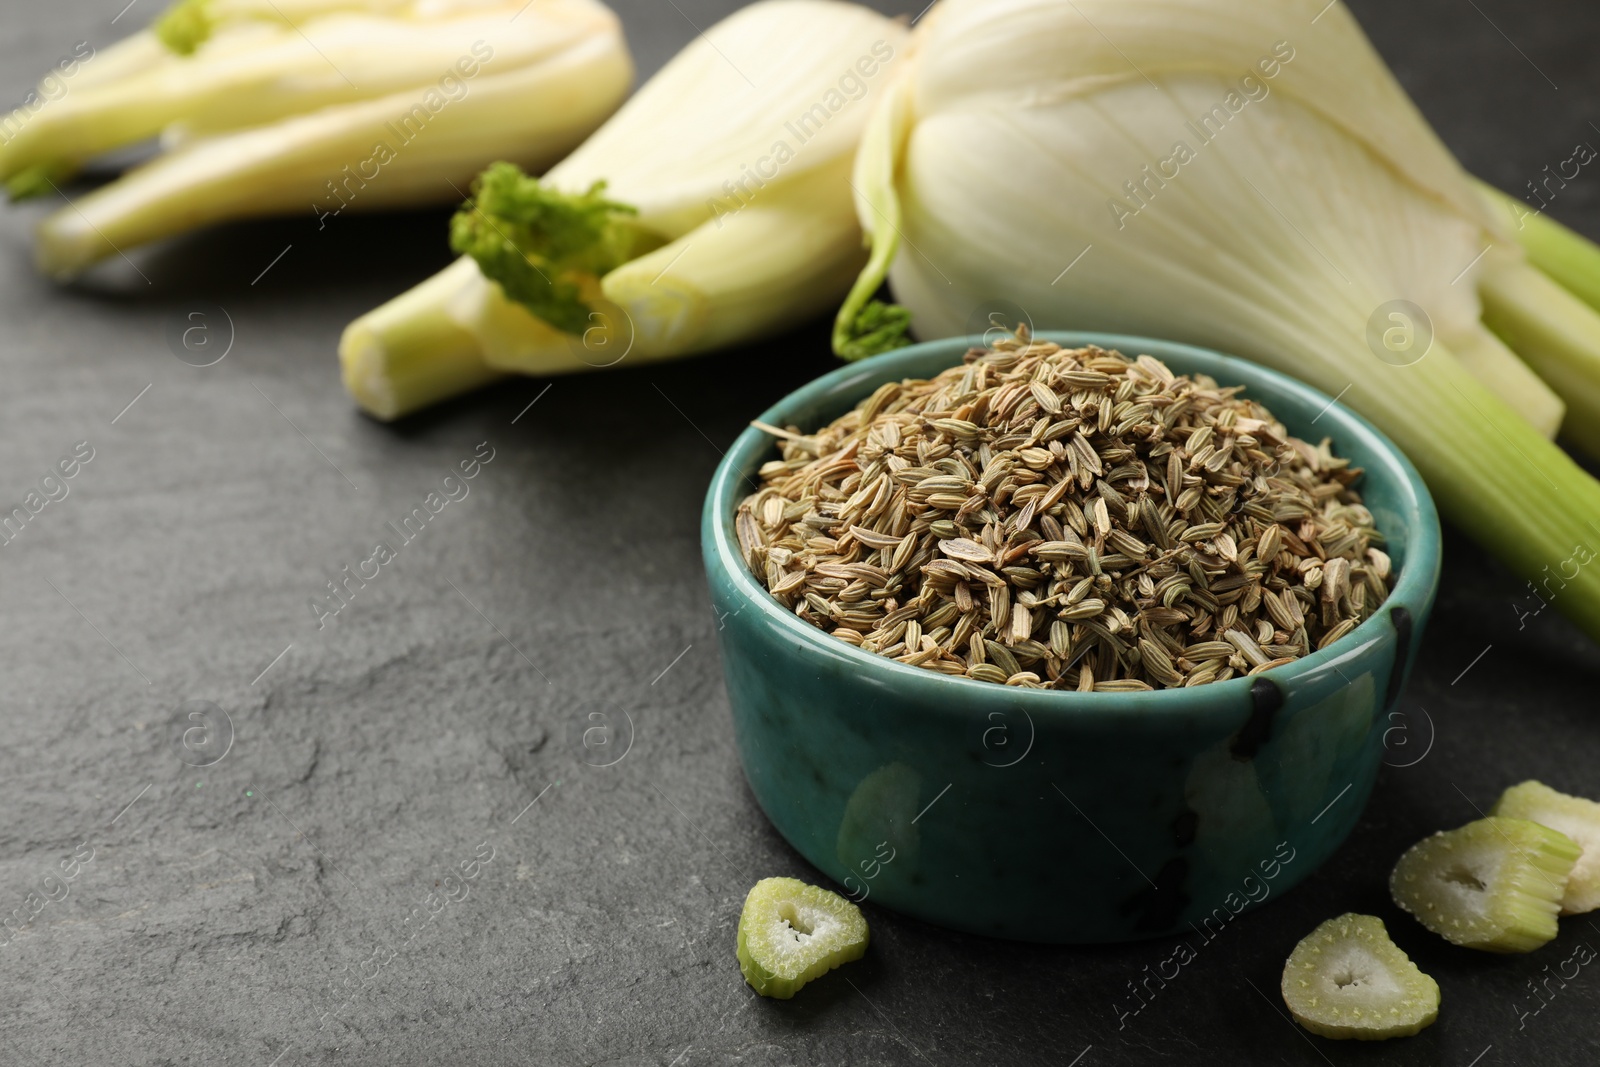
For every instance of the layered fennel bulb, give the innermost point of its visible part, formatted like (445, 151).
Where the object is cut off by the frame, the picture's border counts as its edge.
(316, 106)
(715, 207)
(1240, 177)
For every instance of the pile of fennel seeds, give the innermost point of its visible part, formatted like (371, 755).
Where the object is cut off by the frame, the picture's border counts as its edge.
(1066, 519)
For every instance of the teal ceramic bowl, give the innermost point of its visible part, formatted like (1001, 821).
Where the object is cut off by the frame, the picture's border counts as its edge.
(1061, 816)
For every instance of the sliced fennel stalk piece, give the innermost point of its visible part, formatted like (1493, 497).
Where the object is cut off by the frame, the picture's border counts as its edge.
(530, 115)
(742, 180)
(1282, 239)
(1495, 884)
(791, 934)
(1576, 818)
(1346, 979)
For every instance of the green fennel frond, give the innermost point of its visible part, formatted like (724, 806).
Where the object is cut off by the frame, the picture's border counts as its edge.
(878, 328)
(539, 244)
(185, 26)
(32, 181)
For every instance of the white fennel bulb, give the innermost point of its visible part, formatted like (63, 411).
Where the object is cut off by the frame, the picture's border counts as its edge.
(730, 217)
(1238, 176)
(271, 108)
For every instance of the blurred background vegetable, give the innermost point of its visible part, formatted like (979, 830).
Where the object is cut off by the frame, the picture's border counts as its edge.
(1249, 177)
(713, 209)
(270, 107)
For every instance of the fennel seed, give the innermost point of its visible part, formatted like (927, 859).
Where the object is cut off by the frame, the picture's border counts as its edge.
(1070, 519)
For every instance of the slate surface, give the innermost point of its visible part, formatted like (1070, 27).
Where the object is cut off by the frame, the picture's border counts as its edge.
(226, 910)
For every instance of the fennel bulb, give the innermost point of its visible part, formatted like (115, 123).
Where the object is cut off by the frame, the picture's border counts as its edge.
(730, 217)
(276, 108)
(1234, 176)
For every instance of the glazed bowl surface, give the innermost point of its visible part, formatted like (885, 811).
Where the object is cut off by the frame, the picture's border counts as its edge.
(1052, 816)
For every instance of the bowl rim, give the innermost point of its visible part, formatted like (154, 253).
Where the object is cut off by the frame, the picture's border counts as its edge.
(1414, 586)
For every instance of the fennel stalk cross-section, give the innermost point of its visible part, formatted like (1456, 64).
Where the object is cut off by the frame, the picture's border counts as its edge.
(1238, 176)
(732, 218)
(275, 107)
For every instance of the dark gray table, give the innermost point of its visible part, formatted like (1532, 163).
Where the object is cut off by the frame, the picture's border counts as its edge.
(228, 913)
